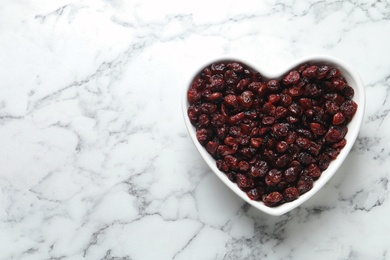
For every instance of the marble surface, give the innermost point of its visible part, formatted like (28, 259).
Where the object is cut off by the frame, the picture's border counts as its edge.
(95, 160)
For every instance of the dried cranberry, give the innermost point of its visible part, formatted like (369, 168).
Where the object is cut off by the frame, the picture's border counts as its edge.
(280, 129)
(317, 129)
(314, 171)
(310, 72)
(305, 183)
(290, 194)
(280, 112)
(272, 199)
(255, 193)
(348, 108)
(244, 182)
(338, 118)
(193, 96)
(202, 135)
(291, 78)
(211, 147)
(273, 85)
(243, 166)
(281, 147)
(246, 99)
(291, 174)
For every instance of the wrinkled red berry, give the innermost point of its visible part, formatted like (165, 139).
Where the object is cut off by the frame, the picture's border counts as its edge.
(290, 194)
(272, 199)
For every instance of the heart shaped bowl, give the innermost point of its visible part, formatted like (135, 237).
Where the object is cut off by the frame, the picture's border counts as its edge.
(353, 80)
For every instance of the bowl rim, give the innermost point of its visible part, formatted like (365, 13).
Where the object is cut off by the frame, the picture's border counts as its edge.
(353, 80)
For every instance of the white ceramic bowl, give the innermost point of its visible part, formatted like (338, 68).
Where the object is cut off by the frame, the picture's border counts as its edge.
(353, 80)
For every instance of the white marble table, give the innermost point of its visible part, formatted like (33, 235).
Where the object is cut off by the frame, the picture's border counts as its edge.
(95, 160)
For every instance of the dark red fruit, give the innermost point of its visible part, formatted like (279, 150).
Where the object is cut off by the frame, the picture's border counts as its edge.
(291, 78)
(290, 194)
(273, 199)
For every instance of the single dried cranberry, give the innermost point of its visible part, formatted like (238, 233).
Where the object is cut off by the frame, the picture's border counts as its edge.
(291, 137)
(340, 145)
(317, 129)
(291, 78)
(235, 66)
(211, 147)
(193, 96)
(256, 142)
(310, 72)
(269, 109)
(314, 171)
(231, 162)
(322, 71)
(208, 108)
(339, 83)
(215, 97)
(217, 120)
(202, 135)
(295, 91)
(314, 148)
(204, 121)
(281, 147)
(243, 166)
(292, 119)
(262, 90)
(305, 183)
(348, 108)
(244, 182)
(222, 132)
(254, 87)
(302, 142)
(217, 83)
(280, 129)
(193, 112)
(273, 85)
(305, 133)
(338, 118)
(290, 194)
(282, 161)
(335, 134)
(295, 109)
(348, 92)
(280, 112)
(268, 120)
(285, 100)
(331, 107)
(218, 68)
(273, 199)
(306, 103)
(323, 161)
(233, 120)
(223, 150)
(273, 177)
(222, 166)
(231, 100)
(231, 77)
(334, 72)
(274, 98)
(333, 153)
(255, 193)
(305, 158)
(246, 99)
(291, 174)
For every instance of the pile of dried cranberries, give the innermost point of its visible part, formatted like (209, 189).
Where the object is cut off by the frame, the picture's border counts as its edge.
(273, 138)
